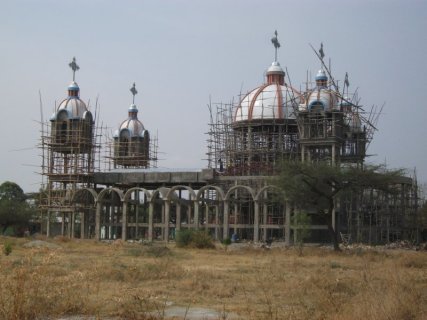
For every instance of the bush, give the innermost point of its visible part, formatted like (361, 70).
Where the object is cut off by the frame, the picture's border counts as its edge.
(7, 248)
(226, 241)
(194, 239)
(183, 238)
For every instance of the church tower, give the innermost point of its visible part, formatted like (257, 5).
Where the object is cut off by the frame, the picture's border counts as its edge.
(131, 140)
(68, 156)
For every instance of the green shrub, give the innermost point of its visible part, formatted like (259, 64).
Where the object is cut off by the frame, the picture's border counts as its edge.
(202, 240)
(226, 241)
(183, 238)
(194, 239)
(7, 248)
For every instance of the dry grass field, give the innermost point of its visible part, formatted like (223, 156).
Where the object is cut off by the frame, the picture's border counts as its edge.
(134, 281)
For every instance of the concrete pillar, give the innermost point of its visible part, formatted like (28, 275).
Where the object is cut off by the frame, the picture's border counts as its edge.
(216, 222)
(63, 225)
(124, 221)
(178, 217)
(264, 221)
(98, 221)
(256, 222)
(150, 220)
(82, 225)
(333, 154)
(226, 224)
(206, 216)
(73, 223)
(48, 224)
(196, 214)
(288, 224)
(69, 224)
(166, 221)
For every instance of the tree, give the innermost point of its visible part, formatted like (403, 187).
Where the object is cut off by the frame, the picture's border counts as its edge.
(318, 185)
(14, 210)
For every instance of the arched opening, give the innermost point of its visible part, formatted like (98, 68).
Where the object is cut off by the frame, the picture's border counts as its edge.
(182, 211)
(110, 214)
(84, 202)
(211, 207)
(241, 217)
(137, 201)
(272, 214)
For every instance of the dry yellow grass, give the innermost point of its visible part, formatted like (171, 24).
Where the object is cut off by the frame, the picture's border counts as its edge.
(126, 281)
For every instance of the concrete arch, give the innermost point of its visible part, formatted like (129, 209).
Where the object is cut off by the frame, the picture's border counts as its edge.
(107, 190)
(218, 189)
(129, 192)
(232, 189)
(174, 188)
(90, 190)
(271, 187)
(162, 191)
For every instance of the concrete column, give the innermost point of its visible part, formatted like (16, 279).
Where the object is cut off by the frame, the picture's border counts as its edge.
(178, 217)
(124, 221)
(150, 220)
(73, 223)
(82, 225)
(63, 225)
(216, 222)
(196, 213)
(256, 222)
(288, 224)
(166, 222)
(98, 221)
(69, 224)
(226, 224)
(206, 216)
(296, 223)
(264, 221)
(333, 154)
(48, 224)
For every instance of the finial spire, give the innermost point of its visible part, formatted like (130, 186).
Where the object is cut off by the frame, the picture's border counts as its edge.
(134, 92)
(73, 65)
(321, 52)
(276, 44)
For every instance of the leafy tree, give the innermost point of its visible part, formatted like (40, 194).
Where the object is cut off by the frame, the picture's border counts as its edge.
(14, 210)
(318, 185)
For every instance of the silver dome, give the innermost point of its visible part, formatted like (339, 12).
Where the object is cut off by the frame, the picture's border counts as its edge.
(322, 97)
(268, 102)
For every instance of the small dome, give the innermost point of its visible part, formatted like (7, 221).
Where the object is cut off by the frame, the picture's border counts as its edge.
(321, 75)
(133, 108)
(74, 107)
(322, 98)
(133, 126)
(275, 68)
(268, 102)
(73, 86)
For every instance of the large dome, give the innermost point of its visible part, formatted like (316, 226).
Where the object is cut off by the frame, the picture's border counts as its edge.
(272, 101)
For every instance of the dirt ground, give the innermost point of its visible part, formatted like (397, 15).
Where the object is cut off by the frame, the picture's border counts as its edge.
(77, 279)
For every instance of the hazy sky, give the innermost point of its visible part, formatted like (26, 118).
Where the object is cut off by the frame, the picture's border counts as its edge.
(181, 52)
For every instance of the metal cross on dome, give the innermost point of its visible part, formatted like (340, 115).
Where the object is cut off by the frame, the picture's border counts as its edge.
(73, 65)
(276, 44)
(134, 92)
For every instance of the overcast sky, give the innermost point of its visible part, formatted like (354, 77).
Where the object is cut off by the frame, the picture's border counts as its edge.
(181, 52)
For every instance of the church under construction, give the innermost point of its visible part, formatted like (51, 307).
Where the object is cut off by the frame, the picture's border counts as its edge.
(247, 142)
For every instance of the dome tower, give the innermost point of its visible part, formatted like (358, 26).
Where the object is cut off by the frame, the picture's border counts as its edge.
(264, 124)
(72, 122)
(69, 154)
(131, 140)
